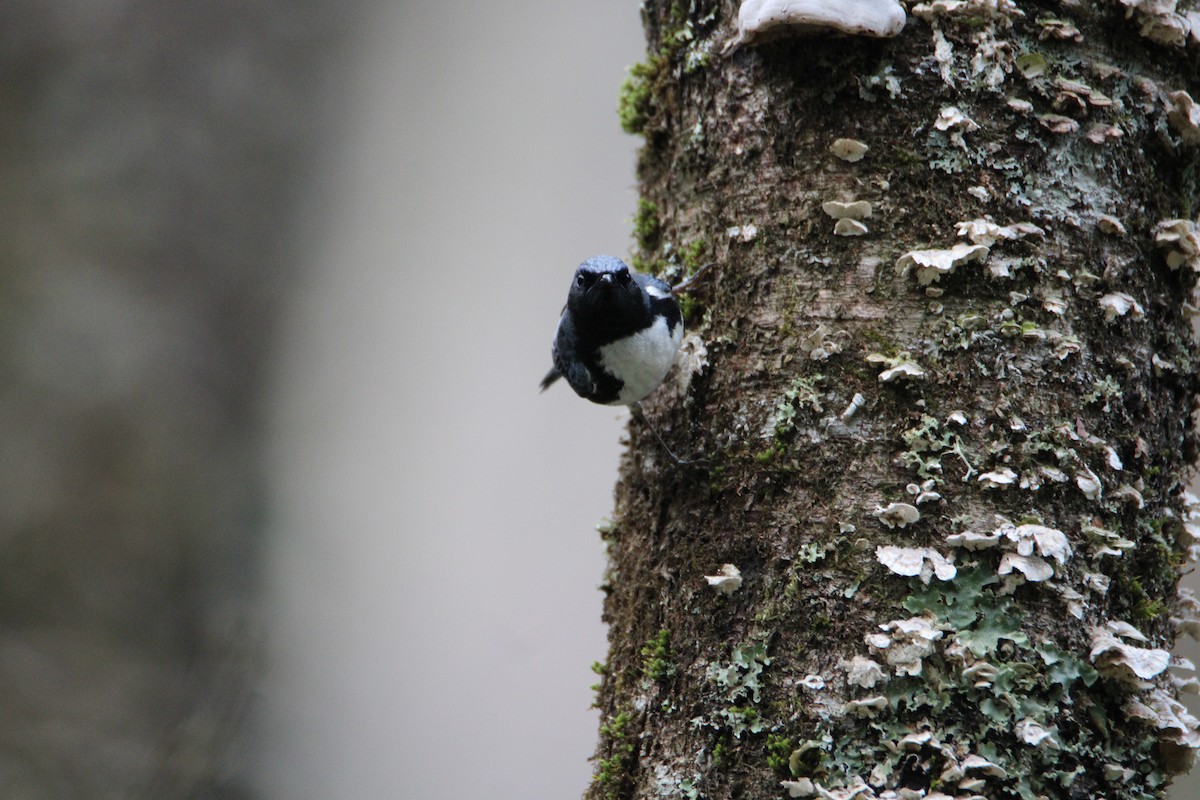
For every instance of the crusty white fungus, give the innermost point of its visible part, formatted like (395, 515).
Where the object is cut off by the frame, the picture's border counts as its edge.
(802, 787)
(766, 19)
(931, 265)
(905, 369)
(727, 581)
(1160, 22)
(849, 149)
(969, 540)
(849, 227)
(813, 682)
(978, 763)
(1032, 732)
(923, 562)
(1118, 304)
(967, 9)
(1089, 483)
(951, 118)
(1126, 631)
(743, 233)
(1125, 663)
(1032, 567)
(691, 359)
(998, 479)
(854, 209)
(1185, 116)
(869, 707)
(904, 643)
(1057, 123)
(1049, 542)
(1110, 225)
(897, 515)
(854, 405)
(864, 672)
(986, 232)
(1181, 239)
(1101, 132)
(1187, 613)
(1171, 717)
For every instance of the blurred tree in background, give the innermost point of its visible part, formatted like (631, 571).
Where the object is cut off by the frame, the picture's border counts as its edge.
(152, 158)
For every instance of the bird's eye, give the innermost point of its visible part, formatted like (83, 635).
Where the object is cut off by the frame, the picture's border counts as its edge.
(580, 280)
(623, 276)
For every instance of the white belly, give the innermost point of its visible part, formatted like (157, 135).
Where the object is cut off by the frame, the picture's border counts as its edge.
(641, 361)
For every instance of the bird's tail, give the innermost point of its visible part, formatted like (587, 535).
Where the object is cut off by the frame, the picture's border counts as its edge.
(550, 378)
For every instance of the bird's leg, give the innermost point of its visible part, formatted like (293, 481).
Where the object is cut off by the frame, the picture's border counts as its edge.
(683, 285)
(636, 410)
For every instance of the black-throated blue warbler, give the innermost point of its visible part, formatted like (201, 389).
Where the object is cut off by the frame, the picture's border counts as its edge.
(618, 335)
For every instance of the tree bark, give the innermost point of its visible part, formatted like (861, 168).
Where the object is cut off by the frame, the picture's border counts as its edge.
(951, 482)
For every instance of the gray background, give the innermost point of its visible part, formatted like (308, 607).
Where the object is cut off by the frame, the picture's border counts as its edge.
(434, 564)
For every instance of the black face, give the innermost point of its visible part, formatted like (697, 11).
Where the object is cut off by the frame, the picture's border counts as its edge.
(603, 285)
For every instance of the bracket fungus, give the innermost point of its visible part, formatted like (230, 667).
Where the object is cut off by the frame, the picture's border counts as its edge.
(897, 515)
(1125, 663)
(1184, 117)
(767, 19)
(922, 562)
(849, 149)
(931, 265)
(727, 581)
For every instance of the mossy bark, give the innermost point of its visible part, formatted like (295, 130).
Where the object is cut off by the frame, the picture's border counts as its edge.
(1026, 399)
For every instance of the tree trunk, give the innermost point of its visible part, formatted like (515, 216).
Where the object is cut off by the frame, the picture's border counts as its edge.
(946, 456)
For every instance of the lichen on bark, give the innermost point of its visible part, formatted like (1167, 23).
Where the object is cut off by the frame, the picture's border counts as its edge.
(1005, 350)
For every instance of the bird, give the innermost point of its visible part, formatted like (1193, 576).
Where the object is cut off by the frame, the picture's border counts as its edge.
(618, 336)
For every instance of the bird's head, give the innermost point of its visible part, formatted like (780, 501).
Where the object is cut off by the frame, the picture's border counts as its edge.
(603, 285)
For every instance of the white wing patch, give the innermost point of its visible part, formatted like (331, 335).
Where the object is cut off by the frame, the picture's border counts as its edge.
(642, 360)
(655, 291)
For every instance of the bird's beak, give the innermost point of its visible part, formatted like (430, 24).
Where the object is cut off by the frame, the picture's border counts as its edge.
(606, 279)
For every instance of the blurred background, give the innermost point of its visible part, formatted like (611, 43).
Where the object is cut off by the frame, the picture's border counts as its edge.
(284, 516)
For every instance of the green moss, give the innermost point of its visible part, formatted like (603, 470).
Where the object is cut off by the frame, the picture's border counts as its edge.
(719, 752)
(612, 772)
(656, 654)
(636, 101)
(779, 750)
(647, 227)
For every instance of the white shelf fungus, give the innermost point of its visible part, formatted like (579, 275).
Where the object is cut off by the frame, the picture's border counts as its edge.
(1110, 225)
(1125, 663)
(951, 118)
(727, 581)
(1181, 239)
(853, 209)
(743, 233)
(868, 707)
(1184, 117)
(905, 369)
(1169, 716)
(849, 227)
(1118, 304)
(813, 682)
(897, 515)
(849, 149)
(931, 265)
(986, 232)
(904, 643)
(863, 672)
(1049, 542)
(922, 562)
(998, 479)
(1034, 569)
(767, 19)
